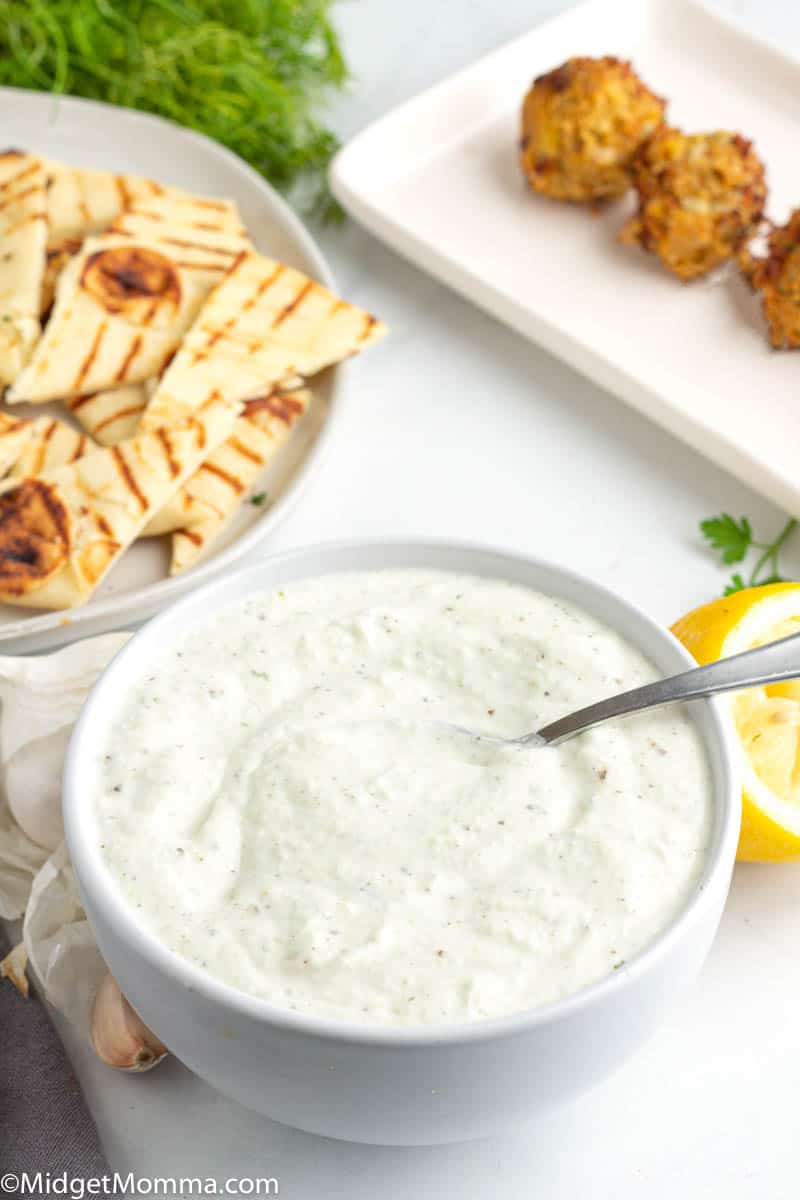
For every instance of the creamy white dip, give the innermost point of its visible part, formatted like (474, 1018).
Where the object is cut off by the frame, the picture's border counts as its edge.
(270, 826)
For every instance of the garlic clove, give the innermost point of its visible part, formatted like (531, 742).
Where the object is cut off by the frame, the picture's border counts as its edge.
(13, 967)
(119, 1036)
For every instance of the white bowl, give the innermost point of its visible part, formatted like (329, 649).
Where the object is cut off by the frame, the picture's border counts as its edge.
(395, 1085)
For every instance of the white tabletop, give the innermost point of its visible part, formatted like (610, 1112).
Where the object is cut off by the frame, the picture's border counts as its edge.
(457, 427)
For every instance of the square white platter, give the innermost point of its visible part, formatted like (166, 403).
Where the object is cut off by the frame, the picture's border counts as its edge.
(438, 179)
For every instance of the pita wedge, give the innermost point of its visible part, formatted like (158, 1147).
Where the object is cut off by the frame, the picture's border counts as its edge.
(56, 258)
(205, 503)
(125, 300)
(204, 227)
(83, 202)
(30, 445)
(47, 443)
(61, 531)
(15, 433)
(262, 325)
(121, 309)
(258, 436)
(111, 416)
(23, 234)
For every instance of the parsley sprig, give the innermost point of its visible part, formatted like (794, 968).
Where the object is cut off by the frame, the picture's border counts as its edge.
(733, 540)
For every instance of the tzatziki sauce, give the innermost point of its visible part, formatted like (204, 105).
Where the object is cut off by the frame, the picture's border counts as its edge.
(279, 807)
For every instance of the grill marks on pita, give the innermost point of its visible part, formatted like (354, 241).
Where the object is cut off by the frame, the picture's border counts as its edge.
(199, 513)
(201, 237)
(198, 230)
(161, 320)
(61, 531)
(15, 432)
(113, 415)
(34, 537)
(23, 236)
(136, 282)
(80, 203)
(263, 324)
(91, 342)
(56, 258)
(124, 301)
(29, 446)
(258, 436)
(119, 314)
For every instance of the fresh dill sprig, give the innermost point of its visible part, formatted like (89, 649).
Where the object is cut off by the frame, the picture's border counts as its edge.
(250, 73)
(733, 540)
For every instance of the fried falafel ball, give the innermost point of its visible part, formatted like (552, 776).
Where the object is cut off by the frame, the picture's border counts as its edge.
(777, 278)
(581, 126)
(701, 196)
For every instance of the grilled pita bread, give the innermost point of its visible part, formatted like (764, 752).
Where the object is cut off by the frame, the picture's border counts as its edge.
(56, 258)
(125, 299)
(28, 446)
(84, 202)
(81, 202)
(263, 324)
(121, 309)
(15, 432)
(202, 227)
(198, 512)
(163, 321)
(23, 232)
(111, 416)
(61, 531)
(225, 477)
(50, 443)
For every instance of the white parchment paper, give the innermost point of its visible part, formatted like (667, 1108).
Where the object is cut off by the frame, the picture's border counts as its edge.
(40, 699)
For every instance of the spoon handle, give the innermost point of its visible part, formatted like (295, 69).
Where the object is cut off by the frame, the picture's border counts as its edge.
(771, 663)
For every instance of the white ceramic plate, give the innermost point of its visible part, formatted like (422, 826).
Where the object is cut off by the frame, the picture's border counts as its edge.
(98, 135)
(439, 180)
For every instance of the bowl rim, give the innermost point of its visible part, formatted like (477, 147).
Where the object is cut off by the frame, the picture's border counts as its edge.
(96, 880)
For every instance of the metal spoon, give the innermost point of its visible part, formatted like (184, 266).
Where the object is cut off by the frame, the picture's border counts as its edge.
(772, 663)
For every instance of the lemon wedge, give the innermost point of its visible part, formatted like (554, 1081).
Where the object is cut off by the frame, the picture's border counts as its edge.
(767, 719)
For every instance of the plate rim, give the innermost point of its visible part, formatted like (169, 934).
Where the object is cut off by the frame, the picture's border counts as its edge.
(44, 630)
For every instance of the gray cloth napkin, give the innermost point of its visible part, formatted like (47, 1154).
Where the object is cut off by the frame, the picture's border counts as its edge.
(44, 1122)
